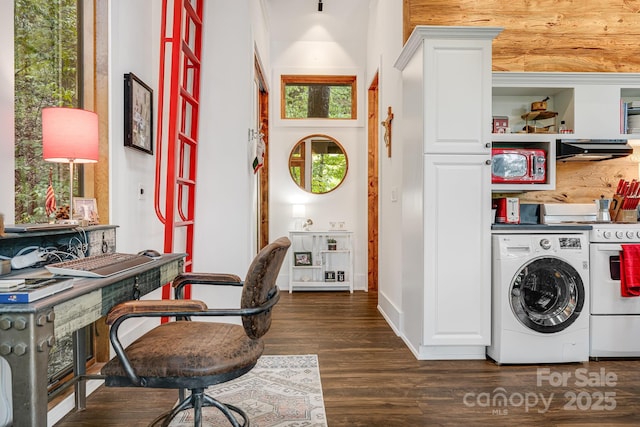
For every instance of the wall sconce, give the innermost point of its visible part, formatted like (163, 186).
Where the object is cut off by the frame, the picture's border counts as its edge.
(319, 5)
(69, 135)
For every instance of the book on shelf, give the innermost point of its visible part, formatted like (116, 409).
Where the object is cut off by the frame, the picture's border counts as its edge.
(23, 291)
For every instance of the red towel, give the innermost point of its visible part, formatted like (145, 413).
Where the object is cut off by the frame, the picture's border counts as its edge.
(630, 270)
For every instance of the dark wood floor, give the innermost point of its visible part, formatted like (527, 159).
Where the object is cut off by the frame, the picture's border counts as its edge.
(370, 378)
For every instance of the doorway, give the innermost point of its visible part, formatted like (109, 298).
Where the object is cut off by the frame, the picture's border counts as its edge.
(372, 188)
(262, 127)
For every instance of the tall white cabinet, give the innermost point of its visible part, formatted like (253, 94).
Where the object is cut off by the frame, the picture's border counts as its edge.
(446, 203)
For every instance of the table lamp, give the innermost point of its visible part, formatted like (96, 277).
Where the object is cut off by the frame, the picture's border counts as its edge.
(69, 135)
(298, 212)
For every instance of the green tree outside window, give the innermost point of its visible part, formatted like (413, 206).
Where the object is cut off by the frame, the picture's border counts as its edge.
(46, 74)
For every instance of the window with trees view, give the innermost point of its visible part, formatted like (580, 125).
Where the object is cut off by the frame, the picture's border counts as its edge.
(47, 73)
(318, 97)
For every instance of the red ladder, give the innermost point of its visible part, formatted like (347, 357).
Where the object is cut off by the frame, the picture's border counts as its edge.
(176, 153)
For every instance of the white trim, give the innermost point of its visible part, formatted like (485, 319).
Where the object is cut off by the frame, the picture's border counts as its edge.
(421, 32)
(361, 99)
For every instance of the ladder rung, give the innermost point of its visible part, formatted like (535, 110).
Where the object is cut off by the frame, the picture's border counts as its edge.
(188, 97)
(190, 54)
(183, 223)
(187, 139)
(188, 7)
(185, 181)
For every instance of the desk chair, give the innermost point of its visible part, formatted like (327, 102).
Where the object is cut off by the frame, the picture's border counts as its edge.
(189, 354)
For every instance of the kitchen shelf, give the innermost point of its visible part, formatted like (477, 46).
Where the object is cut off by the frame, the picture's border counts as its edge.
(539, 115)
(513, 94)
(535, 116)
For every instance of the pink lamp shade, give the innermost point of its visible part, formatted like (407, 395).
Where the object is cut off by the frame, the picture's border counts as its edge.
(69, 135)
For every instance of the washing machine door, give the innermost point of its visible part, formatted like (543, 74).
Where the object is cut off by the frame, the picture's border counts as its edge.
(547, 295)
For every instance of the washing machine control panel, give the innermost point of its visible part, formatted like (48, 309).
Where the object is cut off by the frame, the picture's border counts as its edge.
(545, 244)
(561, 243)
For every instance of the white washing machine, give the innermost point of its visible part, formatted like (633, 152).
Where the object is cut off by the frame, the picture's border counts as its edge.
(540, 307)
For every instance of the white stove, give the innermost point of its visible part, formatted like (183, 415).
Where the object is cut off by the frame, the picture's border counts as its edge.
(567, 214)
(614, 322)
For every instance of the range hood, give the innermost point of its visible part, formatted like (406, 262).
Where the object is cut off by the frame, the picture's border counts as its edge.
(586, 150)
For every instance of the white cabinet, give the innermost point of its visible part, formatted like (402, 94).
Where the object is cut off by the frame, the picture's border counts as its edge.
(446, 123)
(457, 248)
(321, 260)
(436, 61)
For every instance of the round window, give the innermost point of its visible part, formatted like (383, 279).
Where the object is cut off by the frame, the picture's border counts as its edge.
(318, 164)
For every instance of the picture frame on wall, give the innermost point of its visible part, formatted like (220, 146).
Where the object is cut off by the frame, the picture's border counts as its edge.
(86, 209)
(138, 114)
(302, 259)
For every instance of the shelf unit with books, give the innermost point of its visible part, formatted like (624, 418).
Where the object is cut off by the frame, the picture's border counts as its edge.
(321, 260)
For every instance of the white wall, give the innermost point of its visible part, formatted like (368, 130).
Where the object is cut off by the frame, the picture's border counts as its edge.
(7, 129)
(385, 44)
(134, 44)
(225, 182)
(305, 41)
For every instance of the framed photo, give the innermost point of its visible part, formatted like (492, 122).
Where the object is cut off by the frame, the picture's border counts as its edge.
(138, 114)
(302, 258)
(86, 209)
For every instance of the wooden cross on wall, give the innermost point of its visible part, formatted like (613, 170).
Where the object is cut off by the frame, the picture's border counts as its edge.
(387, 131)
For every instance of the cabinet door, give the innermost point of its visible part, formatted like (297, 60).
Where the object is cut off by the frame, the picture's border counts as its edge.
(457, 250)
(457, 90)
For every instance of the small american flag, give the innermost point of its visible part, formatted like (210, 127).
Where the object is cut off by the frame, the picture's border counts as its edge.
(50, 199)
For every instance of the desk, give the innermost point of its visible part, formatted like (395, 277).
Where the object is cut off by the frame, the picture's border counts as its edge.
(28, 331)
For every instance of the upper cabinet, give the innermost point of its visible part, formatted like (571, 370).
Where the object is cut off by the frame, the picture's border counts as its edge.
(436, 62)
(576, 106)
(590, 104)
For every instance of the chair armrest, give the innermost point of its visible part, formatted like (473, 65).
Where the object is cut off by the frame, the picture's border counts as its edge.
(154, 306)
(204, 279)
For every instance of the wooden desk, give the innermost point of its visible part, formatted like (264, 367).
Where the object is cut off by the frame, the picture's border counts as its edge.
(28, 331)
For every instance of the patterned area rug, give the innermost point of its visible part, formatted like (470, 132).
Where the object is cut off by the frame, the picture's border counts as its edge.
(280, 391)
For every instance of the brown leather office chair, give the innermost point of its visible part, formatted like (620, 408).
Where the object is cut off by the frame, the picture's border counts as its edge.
(190, 354)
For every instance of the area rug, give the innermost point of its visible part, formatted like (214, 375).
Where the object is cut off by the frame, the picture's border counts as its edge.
(280, 391)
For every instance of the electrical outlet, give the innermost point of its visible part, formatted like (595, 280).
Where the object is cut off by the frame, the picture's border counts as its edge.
(141, 192)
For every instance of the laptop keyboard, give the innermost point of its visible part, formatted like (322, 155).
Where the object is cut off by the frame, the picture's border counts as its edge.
(102, 265)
